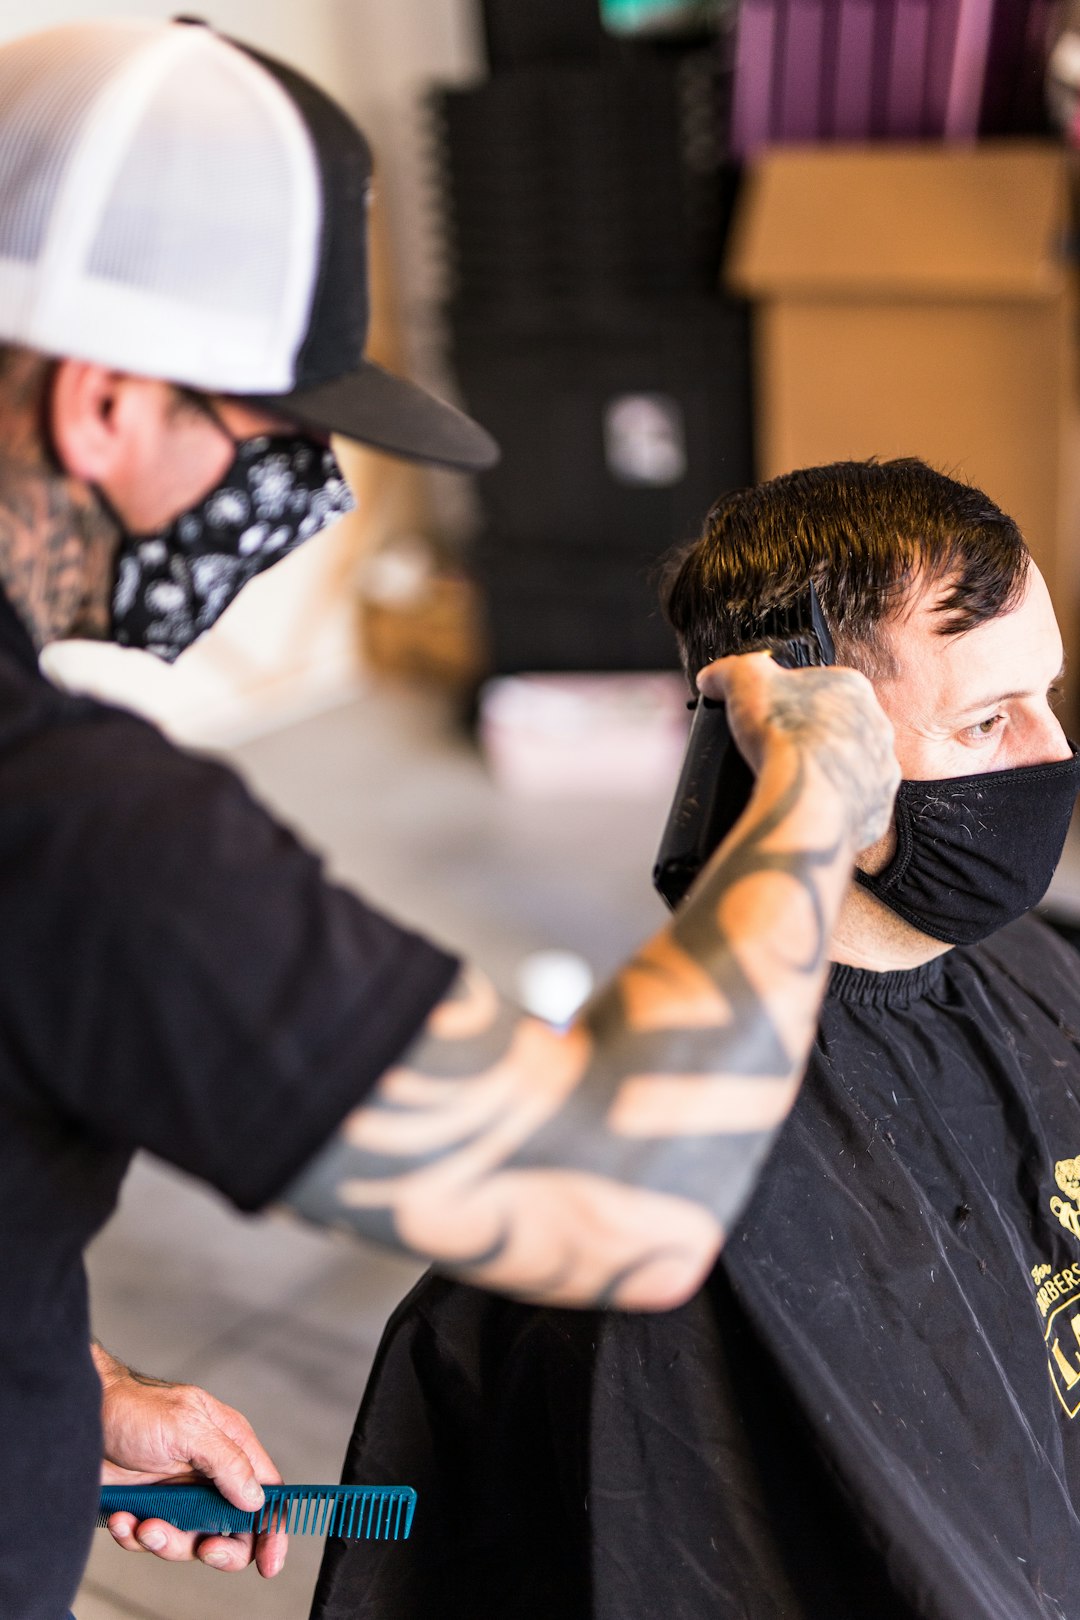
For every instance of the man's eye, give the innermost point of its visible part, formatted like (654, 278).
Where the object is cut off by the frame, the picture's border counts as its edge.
(986, 728)
(1055, 695)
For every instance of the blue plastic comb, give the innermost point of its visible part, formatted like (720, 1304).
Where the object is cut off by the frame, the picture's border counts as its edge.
(355, 1512)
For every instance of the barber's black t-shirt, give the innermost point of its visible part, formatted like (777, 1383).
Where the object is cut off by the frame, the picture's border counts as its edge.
(176, 975)
(871, 1411)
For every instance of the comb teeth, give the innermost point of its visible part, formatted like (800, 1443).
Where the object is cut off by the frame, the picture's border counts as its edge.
(354, 1512)
(796, 631)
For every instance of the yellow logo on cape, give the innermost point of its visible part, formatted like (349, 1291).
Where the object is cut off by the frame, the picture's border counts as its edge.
(1066, 1210)
(1067, 1176)
(1057, 1295)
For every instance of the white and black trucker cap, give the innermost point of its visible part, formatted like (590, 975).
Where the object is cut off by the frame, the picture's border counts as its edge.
(179, 206)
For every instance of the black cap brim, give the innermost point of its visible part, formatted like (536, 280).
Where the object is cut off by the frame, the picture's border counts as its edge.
(389, 413)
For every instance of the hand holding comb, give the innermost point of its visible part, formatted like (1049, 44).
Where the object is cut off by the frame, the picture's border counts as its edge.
(354, 1512)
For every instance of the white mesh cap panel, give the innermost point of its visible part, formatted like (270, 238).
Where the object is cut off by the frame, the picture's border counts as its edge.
(179, 229)
(48, 83)
(216, 156)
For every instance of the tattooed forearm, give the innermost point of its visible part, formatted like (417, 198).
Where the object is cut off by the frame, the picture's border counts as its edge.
(604, 1165)
(696, 929)
(666, 1093)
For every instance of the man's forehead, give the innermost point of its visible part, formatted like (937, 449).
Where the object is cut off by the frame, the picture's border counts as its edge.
(921, 604)
(1012, 653)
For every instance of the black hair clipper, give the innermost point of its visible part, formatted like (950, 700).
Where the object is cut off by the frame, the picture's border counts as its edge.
(715, 782)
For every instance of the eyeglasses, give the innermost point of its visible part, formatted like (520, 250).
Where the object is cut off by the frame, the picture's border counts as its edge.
(206, 405)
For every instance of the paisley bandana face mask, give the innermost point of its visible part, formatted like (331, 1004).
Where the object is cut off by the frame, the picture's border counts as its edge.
(170, 587)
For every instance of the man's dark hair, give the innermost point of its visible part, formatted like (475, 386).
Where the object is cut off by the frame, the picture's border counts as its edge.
(864, 532)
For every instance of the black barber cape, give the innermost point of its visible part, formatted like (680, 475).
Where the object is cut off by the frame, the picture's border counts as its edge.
(175, 974)
(871, 1411)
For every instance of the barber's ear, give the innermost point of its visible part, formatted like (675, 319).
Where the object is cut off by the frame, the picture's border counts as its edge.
(98, 418)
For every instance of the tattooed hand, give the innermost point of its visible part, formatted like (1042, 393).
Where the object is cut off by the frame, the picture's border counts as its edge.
(605, 1164)
(830, 714)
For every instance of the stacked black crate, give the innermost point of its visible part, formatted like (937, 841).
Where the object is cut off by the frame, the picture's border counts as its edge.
(584, 203)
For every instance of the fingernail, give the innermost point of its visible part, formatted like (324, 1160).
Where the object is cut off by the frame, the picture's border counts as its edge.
(253, 1493)
(153, 1540)
(219, 1558)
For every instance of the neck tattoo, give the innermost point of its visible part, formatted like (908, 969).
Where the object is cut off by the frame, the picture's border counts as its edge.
(57, 550)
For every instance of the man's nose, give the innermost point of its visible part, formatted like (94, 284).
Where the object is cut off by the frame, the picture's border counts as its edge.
(1047, 742)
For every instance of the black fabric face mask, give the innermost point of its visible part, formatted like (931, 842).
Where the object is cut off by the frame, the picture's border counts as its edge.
(975, 852)
(170, 587)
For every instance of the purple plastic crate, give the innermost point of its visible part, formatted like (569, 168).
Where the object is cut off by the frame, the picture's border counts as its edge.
(798, 113)
(905, 110)
(853, 69)
(752, 94)
(968, 79)
(856, 70)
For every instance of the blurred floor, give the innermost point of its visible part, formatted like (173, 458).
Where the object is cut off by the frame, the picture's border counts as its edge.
(279, 1320)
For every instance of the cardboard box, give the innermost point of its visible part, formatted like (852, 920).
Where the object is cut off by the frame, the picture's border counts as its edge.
(916, 301)
(435, 638)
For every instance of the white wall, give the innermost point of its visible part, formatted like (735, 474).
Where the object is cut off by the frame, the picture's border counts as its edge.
(291, 641)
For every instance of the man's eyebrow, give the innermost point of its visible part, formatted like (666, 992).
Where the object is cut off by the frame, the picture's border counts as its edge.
(1004, 697)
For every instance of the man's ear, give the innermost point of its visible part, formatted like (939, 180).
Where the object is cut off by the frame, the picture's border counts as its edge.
(94, 418)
